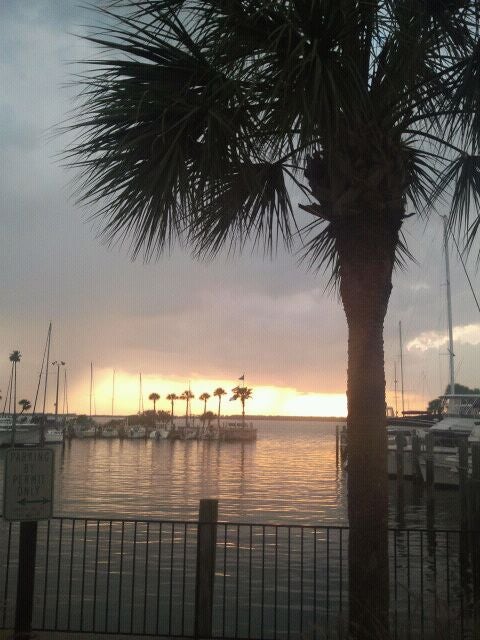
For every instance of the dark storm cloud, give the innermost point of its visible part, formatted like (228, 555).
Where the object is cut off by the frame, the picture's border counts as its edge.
(269, 317)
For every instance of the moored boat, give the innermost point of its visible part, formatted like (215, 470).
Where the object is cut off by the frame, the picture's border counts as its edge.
(135, 432)
(109, 431)
(159, 433)
(27, 432)
(237, 431)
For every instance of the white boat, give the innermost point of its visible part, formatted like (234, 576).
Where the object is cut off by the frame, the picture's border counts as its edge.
(461, 419)
(27, 432)
(85, 431)
(109, 431)
(159, 433)
(54, 435)
(459, 415)
(135, 432)
(408, 433)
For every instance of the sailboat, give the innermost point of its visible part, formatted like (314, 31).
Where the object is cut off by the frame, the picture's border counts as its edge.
(459, 416)
(460, 413)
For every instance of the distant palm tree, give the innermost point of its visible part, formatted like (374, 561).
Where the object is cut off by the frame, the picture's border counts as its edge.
(219, 392)
(154, 397)
(15, 356)
(187, 395)
(25, 404)
(205, 396)
(172, 397)
(242, 394)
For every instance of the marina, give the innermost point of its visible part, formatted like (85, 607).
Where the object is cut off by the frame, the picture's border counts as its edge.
(123, 537)
(288, 474)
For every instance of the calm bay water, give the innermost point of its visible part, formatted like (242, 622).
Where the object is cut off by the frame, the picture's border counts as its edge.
(288, 475)
(123, 577)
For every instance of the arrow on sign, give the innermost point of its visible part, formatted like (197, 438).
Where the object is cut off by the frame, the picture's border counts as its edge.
(24, 501)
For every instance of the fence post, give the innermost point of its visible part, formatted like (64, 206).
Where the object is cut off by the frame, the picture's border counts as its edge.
(206, 548)
(25, 579)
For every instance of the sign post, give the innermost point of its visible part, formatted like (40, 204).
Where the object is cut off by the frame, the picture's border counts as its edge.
(27, 497)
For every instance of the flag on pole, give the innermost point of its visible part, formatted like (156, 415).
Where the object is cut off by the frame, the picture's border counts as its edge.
(242, 377)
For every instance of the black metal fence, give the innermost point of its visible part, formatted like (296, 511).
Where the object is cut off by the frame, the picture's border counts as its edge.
(271, 581)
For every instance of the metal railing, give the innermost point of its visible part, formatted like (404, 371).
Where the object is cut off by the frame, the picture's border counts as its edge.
(271, 581)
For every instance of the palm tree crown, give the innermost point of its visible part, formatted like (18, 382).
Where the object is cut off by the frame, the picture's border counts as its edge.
(25, 404)
(204, 396)
(154, 397)
(205, 114)
(242, 394)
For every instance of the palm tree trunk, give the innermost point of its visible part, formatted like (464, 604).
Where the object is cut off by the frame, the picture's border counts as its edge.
(365, 289)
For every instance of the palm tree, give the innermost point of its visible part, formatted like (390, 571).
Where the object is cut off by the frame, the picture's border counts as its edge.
(25, 404)
(204, 115)
(187, 395)
(204, 396)
(242, 394)
(172, 397)
(154, 397)
(219, 392)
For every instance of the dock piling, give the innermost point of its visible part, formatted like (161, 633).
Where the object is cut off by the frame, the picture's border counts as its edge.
(430, 480)
(463, 480)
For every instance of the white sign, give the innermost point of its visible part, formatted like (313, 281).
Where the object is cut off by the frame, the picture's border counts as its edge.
(28, 484)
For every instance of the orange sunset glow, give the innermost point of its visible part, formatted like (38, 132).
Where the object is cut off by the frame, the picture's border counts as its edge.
(266, 399)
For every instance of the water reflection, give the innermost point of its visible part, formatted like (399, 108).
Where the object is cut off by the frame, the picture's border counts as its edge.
(289, 475)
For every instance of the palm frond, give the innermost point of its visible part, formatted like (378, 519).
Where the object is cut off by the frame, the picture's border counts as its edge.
(462, 178)
(200, 114)
(251, 202)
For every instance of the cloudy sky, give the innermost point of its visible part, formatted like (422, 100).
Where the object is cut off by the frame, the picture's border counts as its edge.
(179, 320)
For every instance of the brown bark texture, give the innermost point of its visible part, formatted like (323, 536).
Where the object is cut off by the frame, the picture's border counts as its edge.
(366, 257)
(359, 182)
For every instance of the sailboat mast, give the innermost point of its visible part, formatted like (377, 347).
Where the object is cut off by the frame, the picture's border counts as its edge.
(49, 336)
(451, 355)
(401, 365)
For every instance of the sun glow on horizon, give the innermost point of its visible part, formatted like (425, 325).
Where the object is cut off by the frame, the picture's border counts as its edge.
(266, 399)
